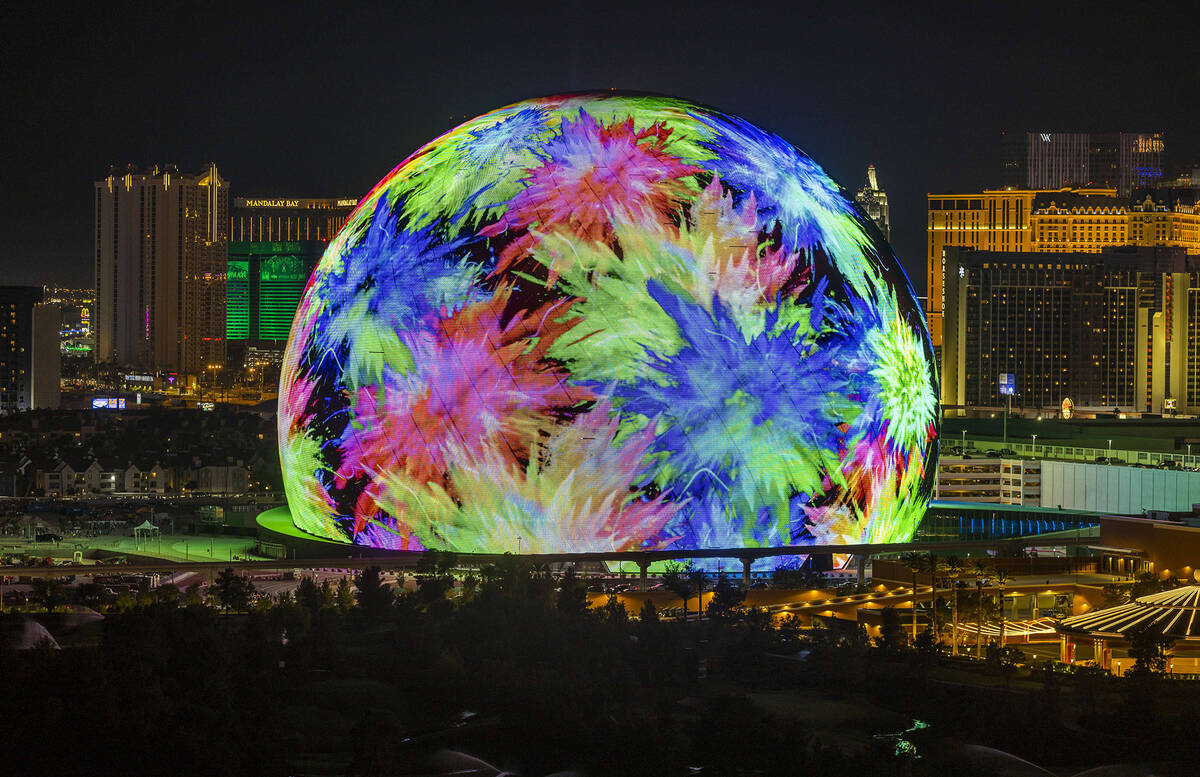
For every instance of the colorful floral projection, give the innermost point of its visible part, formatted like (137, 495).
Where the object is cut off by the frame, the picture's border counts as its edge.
(608, 322)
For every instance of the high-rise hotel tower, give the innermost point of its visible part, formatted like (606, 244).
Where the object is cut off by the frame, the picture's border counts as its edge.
(160, 252)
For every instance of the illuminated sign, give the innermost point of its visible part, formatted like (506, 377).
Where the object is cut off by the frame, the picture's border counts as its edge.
(272, 203)
(1045, 137)
(139, 378)
(108, 403)
(208, 406)
(1068, 408)
(1170, 403)
(1008, 384)
(347, 203)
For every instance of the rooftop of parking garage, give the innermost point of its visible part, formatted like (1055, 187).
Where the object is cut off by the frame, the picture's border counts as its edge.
(1161, 435)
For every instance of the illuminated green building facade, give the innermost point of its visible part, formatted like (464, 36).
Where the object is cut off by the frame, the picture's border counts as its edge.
(264, 285)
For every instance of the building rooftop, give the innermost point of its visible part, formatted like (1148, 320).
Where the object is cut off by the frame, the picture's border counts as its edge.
(1174, 614)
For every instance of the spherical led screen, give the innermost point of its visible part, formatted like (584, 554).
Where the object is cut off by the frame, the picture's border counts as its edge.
(607, 322)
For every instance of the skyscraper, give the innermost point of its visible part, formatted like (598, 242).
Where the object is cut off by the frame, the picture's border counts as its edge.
(874, 203)
(1108, 329)
(275, 244)
(29, 350)
(1124, 161)
(160, 253)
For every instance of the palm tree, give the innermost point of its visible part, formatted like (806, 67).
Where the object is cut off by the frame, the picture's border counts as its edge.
(954, 567)
(981, 570)
(697, 580)
(934, 566)
(675, 578)
(915, 562)
(1002, 579)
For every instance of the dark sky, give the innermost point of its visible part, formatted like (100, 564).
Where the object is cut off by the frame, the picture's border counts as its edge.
(323, 99)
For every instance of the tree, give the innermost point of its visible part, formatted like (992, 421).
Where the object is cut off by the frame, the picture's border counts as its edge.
(675, 578)
(344, 596)
(51, 591)
(980, 569)
(614, 611)
(308, 595)
(572, 594)
(698, 580)
(954, 567)
(1149, 650)
(915, 563)
(1002, 579)
(727, 598)
(891, 633)
(232, 590)
(933, 565)
(374, 596)
(649, 613)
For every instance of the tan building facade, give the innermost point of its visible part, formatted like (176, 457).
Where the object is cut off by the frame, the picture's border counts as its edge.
(160, 260)
(1056, 221)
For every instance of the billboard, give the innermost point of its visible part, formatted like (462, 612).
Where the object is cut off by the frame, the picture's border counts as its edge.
(108, 403)
(608, 322)
(1008, 384)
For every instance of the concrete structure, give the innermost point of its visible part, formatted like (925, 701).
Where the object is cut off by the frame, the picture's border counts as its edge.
(874, 203)
(160, 253)
(1118, 490)
(1038, 221)
(986, 480)
(1124, 161)
(30, 362)
(1114, 329)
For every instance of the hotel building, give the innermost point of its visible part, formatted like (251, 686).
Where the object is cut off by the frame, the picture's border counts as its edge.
(160, 252)
(1114, 329)
(274, 247)
(1036, 221)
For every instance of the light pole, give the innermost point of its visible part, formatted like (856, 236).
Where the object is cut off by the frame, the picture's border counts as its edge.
(1035, 445)
(964, 439)
(1109, 456)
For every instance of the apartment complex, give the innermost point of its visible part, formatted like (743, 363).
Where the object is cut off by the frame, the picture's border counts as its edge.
(30, 362)
(160, 253)
(1039, 221)
(1113, 329)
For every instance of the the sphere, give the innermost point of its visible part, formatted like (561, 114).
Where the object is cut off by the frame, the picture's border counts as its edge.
(608, 322)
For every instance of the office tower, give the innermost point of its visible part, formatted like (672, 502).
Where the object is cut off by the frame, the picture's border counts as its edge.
(160, 254)
(29, 350)
(1064, 220)
(274, 247)
(1125, 161)
(1107, 329)
(874, 203)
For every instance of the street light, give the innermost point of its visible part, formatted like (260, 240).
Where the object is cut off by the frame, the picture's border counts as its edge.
(1035, 445)
(964, 439)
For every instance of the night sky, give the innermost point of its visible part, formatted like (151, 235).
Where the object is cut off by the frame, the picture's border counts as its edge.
(324, 99)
